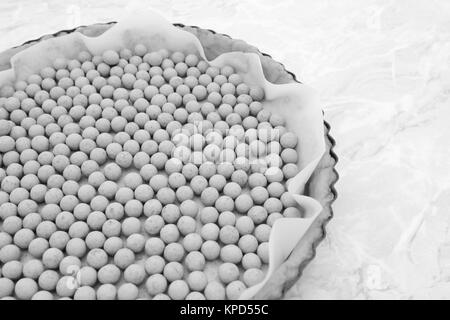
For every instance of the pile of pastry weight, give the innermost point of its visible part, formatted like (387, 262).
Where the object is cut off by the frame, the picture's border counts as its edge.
(139, 174)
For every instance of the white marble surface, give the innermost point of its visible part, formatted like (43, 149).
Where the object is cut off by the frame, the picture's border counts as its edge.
(383, 71)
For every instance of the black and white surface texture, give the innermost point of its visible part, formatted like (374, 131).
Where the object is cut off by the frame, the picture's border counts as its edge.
(382, 69)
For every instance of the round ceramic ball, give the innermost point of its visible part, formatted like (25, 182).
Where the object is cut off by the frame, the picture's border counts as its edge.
(258, 214)
(76, 247)
(109, 273)
(6, 287)
(224, 203)
(66, 286)
(87, 276)
(231, 253)
(197, 280)
(262, 232)
(170, 213)
(123, 258)
(85, 293)
(106, 292)
(12, 270)
(173, 271)
(25, 288)
(234, 289)
(263, 252)
(192, 242)
(198, 185)
(97, 258)
(152, 207)
(189, 208)
(154, 246)
(209, 215)
(154, 264)
(37, 247)
(292, 212)
(209, 231)
(42, 295)
(251, 260)
(195, 295)
(134, 273)
(127, 291)
(131, 225)
(169, 233)
(259, 195)
(173, 252)
(156, 284)
(228, 272)
(249, 243)
(186, 225)
(245, 225)
(195, 261)
(52, 257)
(229, 234)
(252, 277)
(111, 228)
(154, 224)
(136, 242)
(214, 291)
(227, 218)
(48, 280)
(289, 140)
(112, 245)
(178, 290)
(243, 203)
(69, 265)
(210, 249)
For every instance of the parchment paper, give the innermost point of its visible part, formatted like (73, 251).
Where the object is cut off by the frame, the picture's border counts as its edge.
(298, 103)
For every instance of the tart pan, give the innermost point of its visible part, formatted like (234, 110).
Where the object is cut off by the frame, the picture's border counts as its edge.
(321, 184)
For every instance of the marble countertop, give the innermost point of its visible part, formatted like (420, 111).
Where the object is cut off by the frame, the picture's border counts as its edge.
(383, 71)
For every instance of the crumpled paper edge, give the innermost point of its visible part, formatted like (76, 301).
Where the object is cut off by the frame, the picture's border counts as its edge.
(298, 103)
